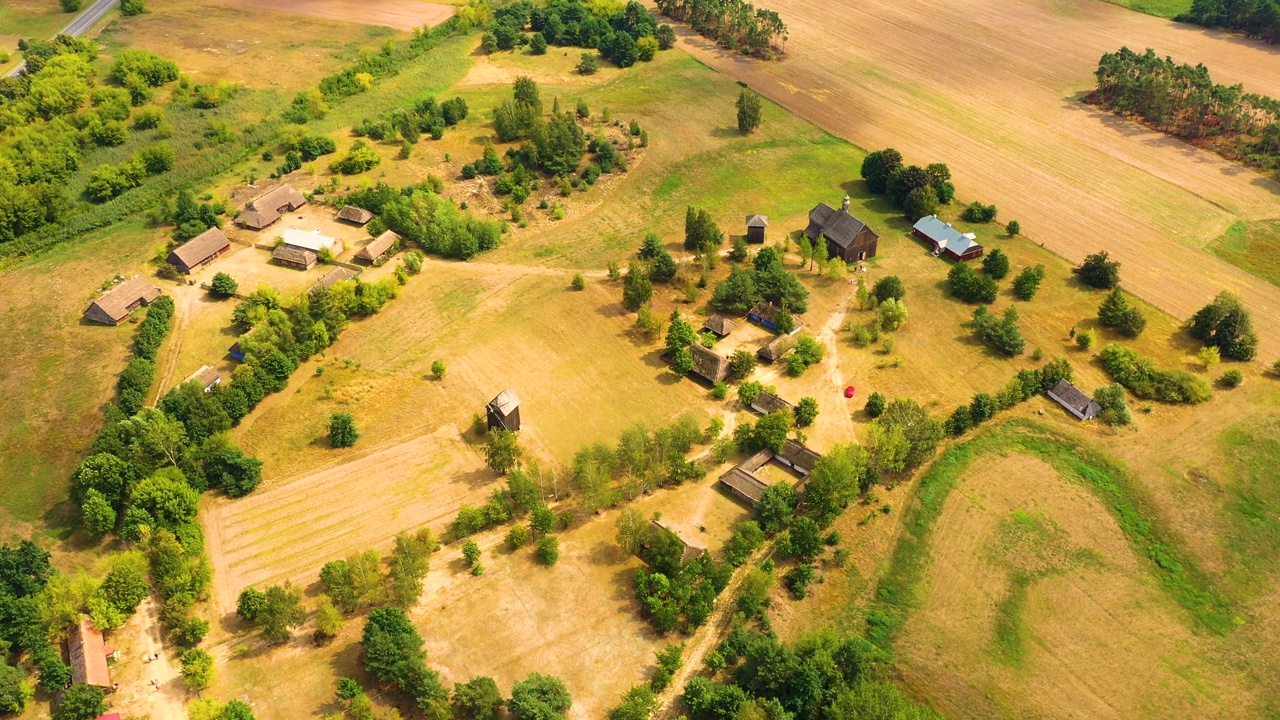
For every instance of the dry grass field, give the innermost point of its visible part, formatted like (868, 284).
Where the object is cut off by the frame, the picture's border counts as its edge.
(397, 14)
(995, 97)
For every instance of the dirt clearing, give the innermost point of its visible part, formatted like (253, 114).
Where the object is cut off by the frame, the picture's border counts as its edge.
(994, 96)
(398, 14)
(1085, 602)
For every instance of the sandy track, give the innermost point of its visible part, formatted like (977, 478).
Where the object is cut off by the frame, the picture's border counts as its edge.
(398, 14)
(288, 532)
(990, 88)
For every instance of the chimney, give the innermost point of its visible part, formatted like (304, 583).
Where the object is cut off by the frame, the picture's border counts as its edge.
(845, 205)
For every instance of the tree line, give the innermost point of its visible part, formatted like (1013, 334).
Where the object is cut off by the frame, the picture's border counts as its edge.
(1259, 18)
(1183, 101)
(734, 24)
(623, 34)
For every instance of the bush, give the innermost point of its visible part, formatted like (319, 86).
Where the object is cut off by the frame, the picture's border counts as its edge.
(1028, 282)
(1000, 332)
(1140, 376)
(197, 669)
(1115, 408)
(970, 286)
(360, 158)
(223, 285)
(1084, 339)
(548, 550)
(589, 64)
(517, 537)
(889, 287)
(1099, 271)
(1231, 378)
(976, 212)
(1013, 228)
(875, 405)
(806, 411)
(342, 430)
(578, 282)
(132, 7)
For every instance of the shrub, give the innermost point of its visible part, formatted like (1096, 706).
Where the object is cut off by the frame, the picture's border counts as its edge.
(1084, 339)
(1115, 409)
(976, 212)
(1000, 332)
(1027, 282)
(223, 285)
(578, 282)
(806, 411)
(589, 64)
(548, 550)
(720, 390)
(1231, 378)
(132, 7)
(342, 430)
(517, 537)
(875, 405)
(1140, 376)
(889, 287)
(197, 669)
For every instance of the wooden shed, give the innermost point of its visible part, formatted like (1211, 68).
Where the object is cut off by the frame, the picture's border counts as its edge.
(375, 251)
(846, 237)
(199, 250)
(776, 348)
(355, 215)
(88, 653)
(1074, 400)
(206, 376)
(295, 257)
(798, 457)
(719, 325)
(114, 307)
(503, 412)
(945, 240)
(755, 228)
(335, 276)
(767, 402)
(269, 207)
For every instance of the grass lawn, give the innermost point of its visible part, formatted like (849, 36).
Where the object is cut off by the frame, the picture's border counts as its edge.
(1253, 246)
(1159, 8)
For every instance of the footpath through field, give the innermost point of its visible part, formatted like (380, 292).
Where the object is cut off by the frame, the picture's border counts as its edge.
(991, 88)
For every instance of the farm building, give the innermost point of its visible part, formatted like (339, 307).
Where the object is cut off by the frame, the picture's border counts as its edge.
(689, 550)
(199, 250)
(206, 376)
(355, 215)
(114, 307)
(311, 240)
(719, 325)
(504, 411)
(710, 365)
(776, 348)
(745, 485)
(766, 314)
(1074, 400)
(335, 276)
(267, 208)
(376, 250)
(847, 237)
(767, 402)
(755, 228)
(798, 457)
(946, 240)
(295, 257)
(88, 652)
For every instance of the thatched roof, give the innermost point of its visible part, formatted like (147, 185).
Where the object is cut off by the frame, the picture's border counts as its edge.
(199, 249)
(720, 325)
(767, 402)
(88, 653)
(114, 306)
(743, 484)
(757, 221)
(294, 256)
(377, 247)
(268, 207)
(709, 364)
(776, 348)
(798, 456)
(355, 215)
(336, 276)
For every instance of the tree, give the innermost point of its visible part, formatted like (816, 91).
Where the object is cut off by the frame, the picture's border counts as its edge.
(887, 448)
(892, 314)
(125, 585)
(250, 604)
(747, 536)
(197, 669)
(1226, 325)
(132, 7)
(1209, 356)
(502, 451)
(748, 111)
(833, 483)
(393, 652)
(328, 618)
(805, 539)
(806, 411)
(970, 286)
(741, 364)
(1027, 282)
(15, 690)
(875, 405)
(438, 369)
(633, 530)
(666, 36)
(771, 431)
(470, 553)
(920, 202)
(1099, 271)
(539, 697)
(637, 290)
(281, 611)
(477, 699)
(877, 166)
(777, 507)
(922, 432)
(996, 264)
(548, 550)
(223, 285)
(887, 287)
(637, 704)
(737, 293)
(905, 179)
(589, 64)
(81, 702)
(342, 430)
(538, 44)
(680, 334)
(69, 5)
(98, 514)
(1000, 332)
(1013, 228)
(166, 498)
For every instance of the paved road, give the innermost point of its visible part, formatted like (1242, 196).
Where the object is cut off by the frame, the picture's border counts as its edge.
(76, 28)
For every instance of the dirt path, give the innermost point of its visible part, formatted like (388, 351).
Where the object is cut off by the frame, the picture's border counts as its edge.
(183, 297)
(159, 694)
(990, 87)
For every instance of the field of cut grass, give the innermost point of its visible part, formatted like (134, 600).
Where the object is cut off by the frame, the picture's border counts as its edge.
(1159, 8)
(1254, 246)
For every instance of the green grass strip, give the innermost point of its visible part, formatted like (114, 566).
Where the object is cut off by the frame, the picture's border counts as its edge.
(1172, 566)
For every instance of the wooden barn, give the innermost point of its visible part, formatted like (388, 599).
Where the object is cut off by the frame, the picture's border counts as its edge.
(354, 215)
(1074, 400)
(375, 251)
(335, 276)
(719, 325)
(199, 250)
(295, 257)
(115, 306)
(708, 364)
(798, 457)
(744, 485)
(846, 237)
(771, 351)
(88, 652)
(503, 412)
(945, 240)
(269, 207)
(767, 402)
(743, 482)
(755, 228)
(206, 376)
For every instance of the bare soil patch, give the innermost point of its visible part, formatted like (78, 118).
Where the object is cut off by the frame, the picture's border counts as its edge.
(1104, 614)
(398, 14)
(995, 98)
